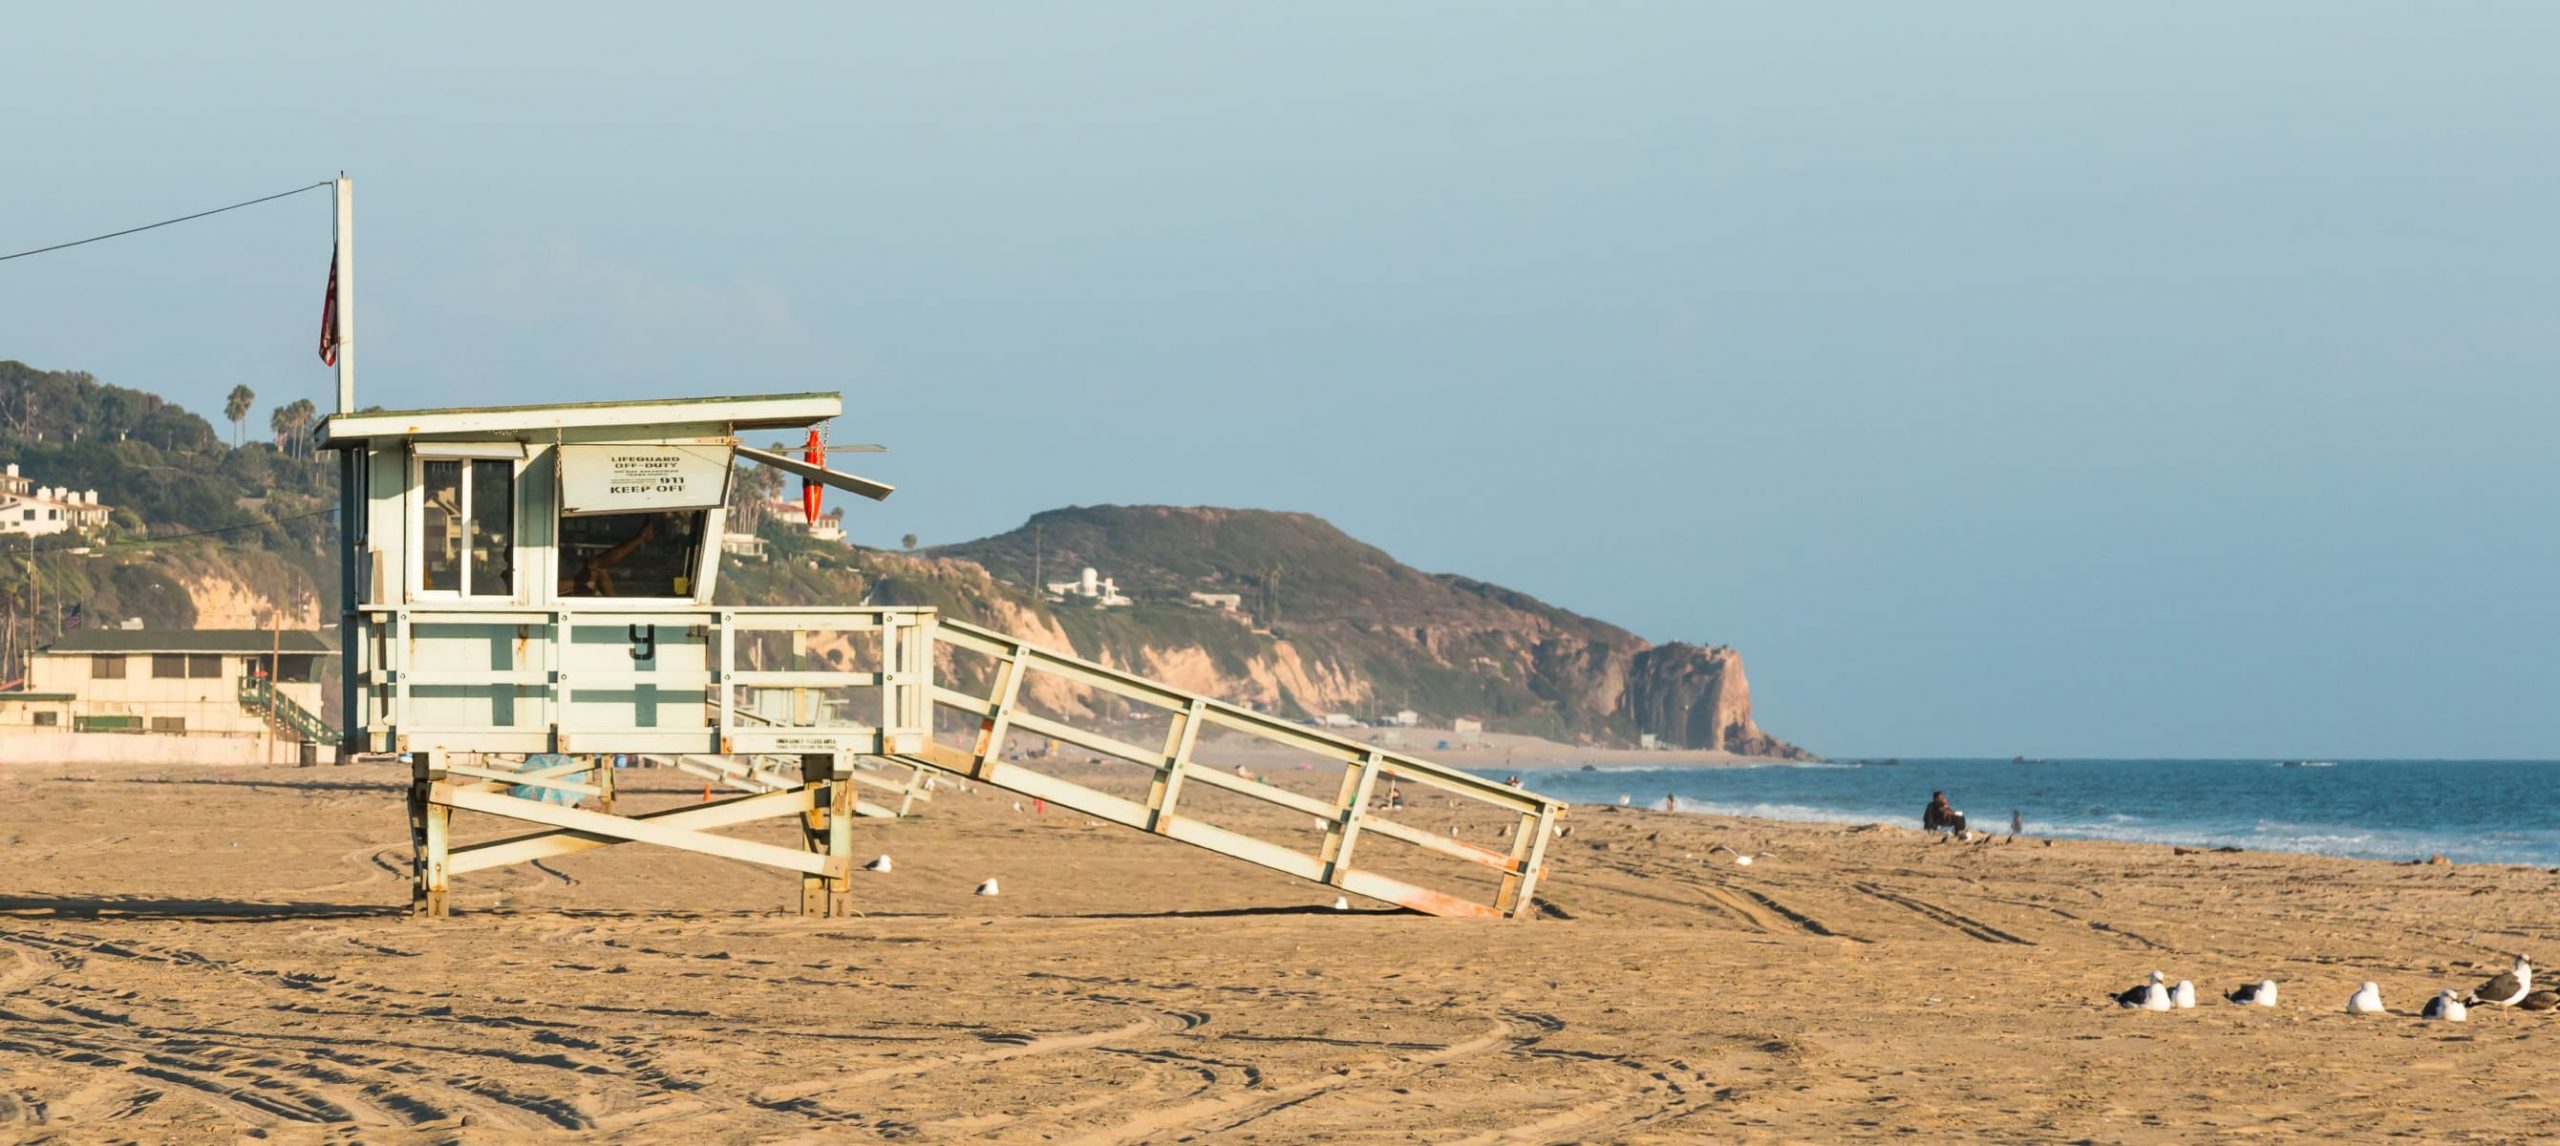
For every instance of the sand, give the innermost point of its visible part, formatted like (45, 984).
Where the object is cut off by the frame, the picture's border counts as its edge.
(197, 955)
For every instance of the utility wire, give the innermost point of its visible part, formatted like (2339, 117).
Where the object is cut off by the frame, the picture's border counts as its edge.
(166, 222)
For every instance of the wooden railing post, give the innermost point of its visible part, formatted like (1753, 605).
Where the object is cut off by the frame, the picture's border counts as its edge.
(1358, 781)
(1166, 790)
(1519, 896)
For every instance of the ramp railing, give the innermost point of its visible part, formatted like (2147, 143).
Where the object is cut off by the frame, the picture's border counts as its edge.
(1347, 821)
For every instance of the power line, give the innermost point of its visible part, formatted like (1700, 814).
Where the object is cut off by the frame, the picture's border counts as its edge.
(166, 222)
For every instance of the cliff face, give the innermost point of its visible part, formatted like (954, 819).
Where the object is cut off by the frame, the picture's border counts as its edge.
(1328, 624)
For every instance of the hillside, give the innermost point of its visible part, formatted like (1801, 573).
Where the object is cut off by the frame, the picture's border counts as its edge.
(202, 534)
(209, 535)
(1329, 624)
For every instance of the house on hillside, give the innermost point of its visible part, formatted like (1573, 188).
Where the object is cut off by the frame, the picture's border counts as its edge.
(201, 682)
(829, 527)
(36, 511)
(1225, 602)
(1091, 587)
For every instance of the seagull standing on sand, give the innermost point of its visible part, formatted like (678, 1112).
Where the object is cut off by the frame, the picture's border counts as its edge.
(881, 864)
(2150, 996)
(2446, 1008)
(2259, 994)
(2366, 1001)
(2184, 996)
(2508, 988)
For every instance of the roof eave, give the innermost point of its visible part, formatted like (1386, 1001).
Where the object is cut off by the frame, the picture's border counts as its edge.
(748, 412)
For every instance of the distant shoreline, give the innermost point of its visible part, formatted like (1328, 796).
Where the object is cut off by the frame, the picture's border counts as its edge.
(1498, 751)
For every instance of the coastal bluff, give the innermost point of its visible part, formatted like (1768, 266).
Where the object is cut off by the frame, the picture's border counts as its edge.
(1285, 612)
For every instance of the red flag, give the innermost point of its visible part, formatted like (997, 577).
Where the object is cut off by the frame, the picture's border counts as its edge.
(329, 314)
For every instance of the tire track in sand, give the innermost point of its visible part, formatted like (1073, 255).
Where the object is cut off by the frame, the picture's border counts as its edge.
(1220, 1115)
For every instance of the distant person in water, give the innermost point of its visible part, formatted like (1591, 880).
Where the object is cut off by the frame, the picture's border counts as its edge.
(2017, 824)
(1939, 817)
(1671, 801)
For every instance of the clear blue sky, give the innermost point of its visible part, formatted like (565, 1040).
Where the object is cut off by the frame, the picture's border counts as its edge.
(2000, 378)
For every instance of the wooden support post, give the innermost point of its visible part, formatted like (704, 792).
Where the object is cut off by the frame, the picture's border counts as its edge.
(840, 817)
(1179, 740)
(999, 718)
(1358, 781)
(430, 827)
(1518, 898)
(826, 829)
(604, 780)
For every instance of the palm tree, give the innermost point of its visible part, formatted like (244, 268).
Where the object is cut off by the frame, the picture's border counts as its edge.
(292, 425)
(305, 416)
(754, 487)
(236, 408)
(909, 541)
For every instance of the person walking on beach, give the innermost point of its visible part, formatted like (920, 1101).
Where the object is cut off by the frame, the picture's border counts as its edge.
(2016, 824)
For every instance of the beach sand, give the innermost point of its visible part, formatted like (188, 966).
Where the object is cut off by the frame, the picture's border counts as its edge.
(188, 955)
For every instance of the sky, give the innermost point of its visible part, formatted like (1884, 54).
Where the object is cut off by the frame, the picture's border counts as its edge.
(2170, 380)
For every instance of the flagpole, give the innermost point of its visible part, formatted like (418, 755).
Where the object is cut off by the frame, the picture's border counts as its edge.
(345, 274)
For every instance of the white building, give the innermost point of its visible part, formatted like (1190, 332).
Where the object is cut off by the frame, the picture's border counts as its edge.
(192, 682)
(32, 510)
(1406, 718)
(1228, 602)
(1090, 586)
(829, 527)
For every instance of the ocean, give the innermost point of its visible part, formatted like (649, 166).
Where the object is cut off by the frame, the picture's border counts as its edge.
(2470, 811)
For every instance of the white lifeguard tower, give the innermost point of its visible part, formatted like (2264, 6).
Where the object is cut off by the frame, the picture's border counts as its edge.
(537, 581)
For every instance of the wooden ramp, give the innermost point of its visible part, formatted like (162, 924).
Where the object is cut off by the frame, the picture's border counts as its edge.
(1348, 820)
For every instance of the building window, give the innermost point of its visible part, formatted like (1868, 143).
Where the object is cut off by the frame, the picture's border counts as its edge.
(467, 529)
(295, 669)
(168, 666)
(47, 719)
(106, 666)
(630, 554)
(204, 665)
(169, 724)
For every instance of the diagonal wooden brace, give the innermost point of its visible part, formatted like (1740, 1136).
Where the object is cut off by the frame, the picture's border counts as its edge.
(663, 830)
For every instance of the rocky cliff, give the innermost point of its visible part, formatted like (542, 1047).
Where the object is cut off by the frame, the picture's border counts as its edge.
(1328, 624)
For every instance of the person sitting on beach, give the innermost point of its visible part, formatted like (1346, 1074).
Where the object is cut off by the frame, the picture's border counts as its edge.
(1938, 817)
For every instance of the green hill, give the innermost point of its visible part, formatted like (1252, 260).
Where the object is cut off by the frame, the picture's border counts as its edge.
(205, 533)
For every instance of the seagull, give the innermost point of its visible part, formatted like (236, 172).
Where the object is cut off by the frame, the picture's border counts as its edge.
(2150, 996)
(2507, 988)
(2366, 1001)
(2542, 999)
(2444, 1006)
(2259, 994)
(1342, 903)
(987, 888)
(881, 864)
(2184, 996)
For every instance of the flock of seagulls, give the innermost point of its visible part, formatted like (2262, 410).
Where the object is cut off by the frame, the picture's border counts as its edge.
(2506, 989)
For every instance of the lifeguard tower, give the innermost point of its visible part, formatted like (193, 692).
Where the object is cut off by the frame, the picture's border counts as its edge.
(537, 581)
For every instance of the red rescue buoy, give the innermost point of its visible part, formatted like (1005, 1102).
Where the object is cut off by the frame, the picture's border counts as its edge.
(813, 495)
